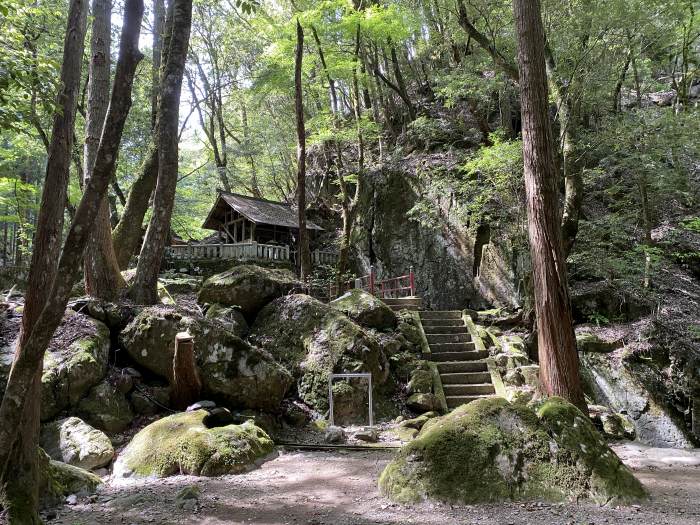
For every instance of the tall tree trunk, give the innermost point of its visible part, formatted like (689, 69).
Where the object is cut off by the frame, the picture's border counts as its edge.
(144, 288)
(18, 468)
(50, 286)
(303, 238)
(102, 276)
(126, 236)
(559, 369)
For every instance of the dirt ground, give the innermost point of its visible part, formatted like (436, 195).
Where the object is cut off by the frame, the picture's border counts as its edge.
(340, 488)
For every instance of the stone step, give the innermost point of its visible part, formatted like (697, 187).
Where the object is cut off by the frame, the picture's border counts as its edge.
(469, 390)
(448, 338)
(474, 355)
(464, 378)
(409, 307)
(455, 401)
(446, 330)
(402, 301)
(438, 348)
(440, 314)
(429, 324)
(461, 367)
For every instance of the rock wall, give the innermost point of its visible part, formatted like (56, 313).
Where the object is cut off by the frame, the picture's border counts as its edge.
(613, 385)
(405, 220)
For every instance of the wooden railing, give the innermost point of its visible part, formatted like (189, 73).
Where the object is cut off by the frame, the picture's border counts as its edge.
(242, 250)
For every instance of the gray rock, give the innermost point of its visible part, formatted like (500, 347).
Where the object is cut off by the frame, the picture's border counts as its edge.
(334, 435)
(199, 405)
(421, 382)
(148, 401)
(423, 403)
(75, 361)
(229, 318)
(365, 309)
(612, 385)
(370, 435)
(314, 340)
(106, 408)
(232, 371)
(73, 441)
(248, 287)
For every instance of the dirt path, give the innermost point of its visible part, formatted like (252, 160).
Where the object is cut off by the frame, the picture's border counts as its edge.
(339, 488)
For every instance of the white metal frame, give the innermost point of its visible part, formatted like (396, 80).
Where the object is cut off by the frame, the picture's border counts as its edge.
(365, 375)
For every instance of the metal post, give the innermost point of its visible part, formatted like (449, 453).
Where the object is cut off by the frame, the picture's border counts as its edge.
(412, 279)
(330, 399)
(371, 279)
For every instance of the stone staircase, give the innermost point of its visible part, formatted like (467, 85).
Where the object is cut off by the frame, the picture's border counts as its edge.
(403, 303)
(463, 370)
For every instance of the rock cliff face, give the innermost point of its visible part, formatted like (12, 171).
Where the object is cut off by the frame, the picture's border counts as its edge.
(408, 219)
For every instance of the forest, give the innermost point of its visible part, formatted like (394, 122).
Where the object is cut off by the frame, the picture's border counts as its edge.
(349, 261)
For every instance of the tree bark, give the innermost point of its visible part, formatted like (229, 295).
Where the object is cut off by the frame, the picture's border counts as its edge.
(18, 469)
(303, 239)
(126, 236)
(559, 368)
(102, 276)
(144, 289)
(50, 287)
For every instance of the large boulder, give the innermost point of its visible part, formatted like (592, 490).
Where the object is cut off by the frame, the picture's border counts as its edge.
(229, 318)
(75, 361)
(313, 340)
(232, 371)
(73, 441)
(248, 287)
(365, 309)
(58, 480)
(182, 444)
(491, 450)
(106, 408)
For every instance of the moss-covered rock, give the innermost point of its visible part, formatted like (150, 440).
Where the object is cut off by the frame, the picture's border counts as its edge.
(232, 371)
(314, 340)
(491, 450)
(182, 444)
(229, 317)
(58, 480)
(365, 309)
(73, 441)
(249, 287)
(106, 408)
(425, 402)
(75, 361)
(421, 382)
(590, 342)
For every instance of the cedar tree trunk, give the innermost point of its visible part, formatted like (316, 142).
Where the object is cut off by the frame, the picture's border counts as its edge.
(559, 368)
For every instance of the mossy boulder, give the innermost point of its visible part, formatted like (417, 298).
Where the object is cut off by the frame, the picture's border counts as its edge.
(106, 408)
(314, 340)
(232, 371)
(590, 342)
(249, 287)
(491, 450)
(182, 444)
(58, 480)
(421, 382)
(75, 361)
(366, 310)
(229, 318)
(73, 441)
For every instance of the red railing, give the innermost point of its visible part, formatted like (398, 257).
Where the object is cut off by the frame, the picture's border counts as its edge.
(393, 287)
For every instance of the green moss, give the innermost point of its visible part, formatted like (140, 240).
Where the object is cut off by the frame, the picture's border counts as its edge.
(491, 450)
(185, 445)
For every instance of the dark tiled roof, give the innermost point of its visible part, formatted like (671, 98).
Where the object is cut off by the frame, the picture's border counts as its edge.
(259, 211)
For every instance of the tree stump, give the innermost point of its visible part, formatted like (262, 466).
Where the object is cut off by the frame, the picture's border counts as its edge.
(186, 387)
